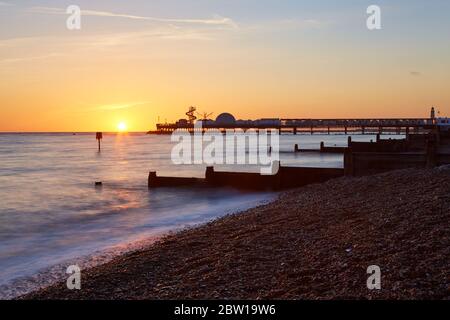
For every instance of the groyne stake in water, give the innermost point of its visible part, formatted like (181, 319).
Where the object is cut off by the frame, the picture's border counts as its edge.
(99, 137)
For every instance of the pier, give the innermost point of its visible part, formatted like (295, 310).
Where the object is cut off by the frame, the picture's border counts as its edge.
(226, 121)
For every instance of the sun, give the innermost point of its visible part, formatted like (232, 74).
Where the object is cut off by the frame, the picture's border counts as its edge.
(122, 127)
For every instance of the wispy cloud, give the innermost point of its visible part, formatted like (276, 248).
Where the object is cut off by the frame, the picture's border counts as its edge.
(5, 4)
(415, 73)
(290, 24)
(169, 32)
(304, 23)
(14, 42)
(164, 33)
(32, 58)
(216, 20)
(119, 106)
(24, 49)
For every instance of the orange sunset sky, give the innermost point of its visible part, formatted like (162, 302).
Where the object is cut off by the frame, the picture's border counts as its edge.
(135, 61)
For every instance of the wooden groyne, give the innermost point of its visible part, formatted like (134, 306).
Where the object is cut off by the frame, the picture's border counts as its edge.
(416, 151)
(360, 158)
(286, 177)
(322, 149)
(381, 145)
(154, 181)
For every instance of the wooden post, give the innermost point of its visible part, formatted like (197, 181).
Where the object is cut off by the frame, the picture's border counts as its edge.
(99, 137)
(431, 152)
(296, 149)
(322, 146)
(152, 179)
(437, 135)
(349, 169)
(349, 141)
(209, 174)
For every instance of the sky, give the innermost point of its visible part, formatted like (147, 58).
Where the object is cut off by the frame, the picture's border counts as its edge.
(138, 62)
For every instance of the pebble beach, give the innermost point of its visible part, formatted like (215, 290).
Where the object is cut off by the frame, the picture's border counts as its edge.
(315, 242)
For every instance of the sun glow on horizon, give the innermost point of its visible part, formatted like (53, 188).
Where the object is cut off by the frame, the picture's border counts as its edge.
(122, 126)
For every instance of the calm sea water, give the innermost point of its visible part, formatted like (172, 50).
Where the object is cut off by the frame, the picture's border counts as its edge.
(52, 216)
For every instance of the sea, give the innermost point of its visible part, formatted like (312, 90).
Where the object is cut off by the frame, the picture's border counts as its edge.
(52, 215)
